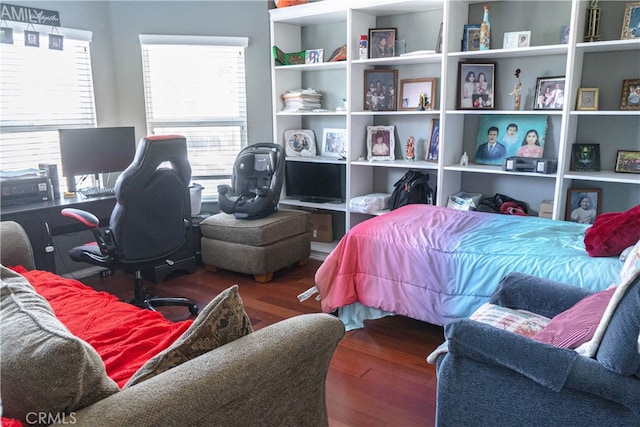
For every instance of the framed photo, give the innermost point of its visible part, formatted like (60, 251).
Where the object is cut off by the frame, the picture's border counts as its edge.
(56, 42)
(631, 21)
(382, 42)
(588, 99)
(433, 147)
(522, 135)
(516, 39)
(381, 143)
(334, 142)
(630, 99)
(476, 83)
(314, 56)
(439, 42)
(471, 38)
(417, 94)
(549, 93)
(380, 90)
(300, 142)
(583, 205)
(31, 38)
(6, 35)
(628, 161)
(585, 157)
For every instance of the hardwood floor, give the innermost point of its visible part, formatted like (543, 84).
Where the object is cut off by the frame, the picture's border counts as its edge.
(378, 375)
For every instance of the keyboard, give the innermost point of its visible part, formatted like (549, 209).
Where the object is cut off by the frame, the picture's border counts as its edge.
(97, 192)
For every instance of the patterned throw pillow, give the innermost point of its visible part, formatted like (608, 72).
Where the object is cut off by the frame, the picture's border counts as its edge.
(519, 322)
(223, 320)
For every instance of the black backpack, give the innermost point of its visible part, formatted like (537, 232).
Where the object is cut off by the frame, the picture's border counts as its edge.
(412, 188)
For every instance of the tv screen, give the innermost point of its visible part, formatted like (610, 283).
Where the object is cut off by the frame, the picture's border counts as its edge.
(315, 182)
(96, 150)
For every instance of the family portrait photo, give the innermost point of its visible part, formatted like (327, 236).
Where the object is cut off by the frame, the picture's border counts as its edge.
(382, 42)
(333, 142)
(380, 90)
(503, 135)
(549, 93)
(476, 86)
(583, 206)
(380, 142)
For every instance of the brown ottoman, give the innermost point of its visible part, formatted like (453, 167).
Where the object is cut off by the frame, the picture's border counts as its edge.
(256, 246)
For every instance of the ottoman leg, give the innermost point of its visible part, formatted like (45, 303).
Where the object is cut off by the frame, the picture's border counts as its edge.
(211, 268)
(263, 278)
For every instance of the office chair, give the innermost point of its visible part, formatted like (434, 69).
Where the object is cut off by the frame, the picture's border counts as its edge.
(256, 183)
(150, 220)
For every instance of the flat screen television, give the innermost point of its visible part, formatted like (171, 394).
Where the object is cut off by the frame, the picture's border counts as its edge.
(315, 182)
(91, 151)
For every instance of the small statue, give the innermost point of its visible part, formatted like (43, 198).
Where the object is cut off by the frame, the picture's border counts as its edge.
(464, 160)
(517, 97)
(410, 148)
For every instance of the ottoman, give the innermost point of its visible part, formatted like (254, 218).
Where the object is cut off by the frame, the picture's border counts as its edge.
(256, 246)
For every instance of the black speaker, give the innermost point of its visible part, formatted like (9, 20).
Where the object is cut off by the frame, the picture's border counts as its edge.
(51, 172)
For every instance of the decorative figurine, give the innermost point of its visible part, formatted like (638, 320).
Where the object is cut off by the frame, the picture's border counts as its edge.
(464, 160)
(517, 97)
(424, 103)
(411, 149)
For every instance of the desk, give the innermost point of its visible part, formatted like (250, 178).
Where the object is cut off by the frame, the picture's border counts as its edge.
(43, 220)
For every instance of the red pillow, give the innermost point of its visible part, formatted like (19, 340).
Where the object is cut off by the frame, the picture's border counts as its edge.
(577, 325)
(613, 232)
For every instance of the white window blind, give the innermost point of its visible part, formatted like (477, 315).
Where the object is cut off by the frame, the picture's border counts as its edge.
(42, 90)
(195, 87)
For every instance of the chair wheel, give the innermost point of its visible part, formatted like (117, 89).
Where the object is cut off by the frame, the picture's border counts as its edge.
(193, 309)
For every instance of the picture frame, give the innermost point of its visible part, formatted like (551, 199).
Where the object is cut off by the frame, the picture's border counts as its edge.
(56, 42)
(380, 90)
(381, 143)
(583, 205)
(471, 38)
(628, 161)
(6, 35)
(631, 21)
(630, 97)
(334, 142)
(433, 146)
(585, 157)
(588, 99)
(31, 38)
(549, 93)
(476, 86)
(314, 56)
(439, 41)
(412, 91)
(300, 143)
(516, 39)
(382, 42)
(507, 133)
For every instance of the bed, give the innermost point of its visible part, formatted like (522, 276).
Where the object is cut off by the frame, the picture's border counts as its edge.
(437, 264)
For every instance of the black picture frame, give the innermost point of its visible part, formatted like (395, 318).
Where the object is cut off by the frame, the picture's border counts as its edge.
(473, 94)
(627, 161)
(549, 93)
(378, 84)
(31, 38)
(382, 42)
(585, 157)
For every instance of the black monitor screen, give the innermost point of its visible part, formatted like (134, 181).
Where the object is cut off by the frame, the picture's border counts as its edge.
(96, 150)
(314, 181)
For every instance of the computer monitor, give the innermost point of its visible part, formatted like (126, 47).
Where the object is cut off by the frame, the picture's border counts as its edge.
(92, 151)
(315, 181)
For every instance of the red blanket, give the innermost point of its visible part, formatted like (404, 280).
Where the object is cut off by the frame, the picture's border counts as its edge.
(124, 336)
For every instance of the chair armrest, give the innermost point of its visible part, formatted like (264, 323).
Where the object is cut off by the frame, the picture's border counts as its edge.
(274, 376)
(15, 248)
(546, 365)
(542, 296)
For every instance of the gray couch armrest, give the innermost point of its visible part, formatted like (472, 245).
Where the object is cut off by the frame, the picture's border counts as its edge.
(274, 376)
(16, 248)
(555, 368)
(542, 296)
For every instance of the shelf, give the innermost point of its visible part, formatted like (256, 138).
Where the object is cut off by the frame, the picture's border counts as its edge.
(432, 58)
(609, 45)
(620, 113)
(312, 113)
(396, 113)
(523, 52)
(315, 159)
(605, 176)
(497, 170)
(338, 207)
(404, 164)
(502, 112)
(323, 66)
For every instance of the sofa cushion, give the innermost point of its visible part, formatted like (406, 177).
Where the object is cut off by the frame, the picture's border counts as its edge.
(45, 368)
(576, 325)
(221, 321)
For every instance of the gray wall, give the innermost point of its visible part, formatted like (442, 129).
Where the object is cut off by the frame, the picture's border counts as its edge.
(116, 58)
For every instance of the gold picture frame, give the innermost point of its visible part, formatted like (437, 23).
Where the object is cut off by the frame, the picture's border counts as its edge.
(630, 97)
(412, 91)
(631, 21)
(588, 98)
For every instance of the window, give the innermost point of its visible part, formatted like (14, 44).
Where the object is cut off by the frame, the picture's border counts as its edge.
(42, 90)
(195, 86)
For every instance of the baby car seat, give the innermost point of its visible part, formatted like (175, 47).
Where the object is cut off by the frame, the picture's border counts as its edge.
(256, 182)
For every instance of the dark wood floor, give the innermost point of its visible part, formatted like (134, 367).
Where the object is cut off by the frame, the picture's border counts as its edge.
(378, 375)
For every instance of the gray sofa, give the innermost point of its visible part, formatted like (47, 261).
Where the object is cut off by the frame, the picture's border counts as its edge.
(272, 377)
(491, 377)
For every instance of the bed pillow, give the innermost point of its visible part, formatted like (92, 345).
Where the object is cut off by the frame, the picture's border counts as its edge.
(223, 320)
(613, 232)
(576, 325)
(45, 368)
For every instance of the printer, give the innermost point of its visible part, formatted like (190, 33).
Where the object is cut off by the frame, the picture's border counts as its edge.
(25, 189)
